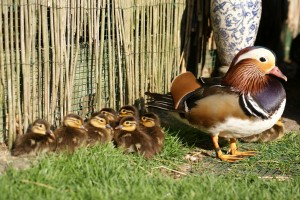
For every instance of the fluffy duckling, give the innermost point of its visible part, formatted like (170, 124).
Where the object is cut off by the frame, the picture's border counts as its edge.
(99, 129)
(37, 139)
(111, 115)
(131, 137)
(151, 123)
(128, 110)
(71, 135)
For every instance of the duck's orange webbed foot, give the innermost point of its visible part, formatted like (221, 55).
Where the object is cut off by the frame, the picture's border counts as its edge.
(233, 150)
(235, 155)
(227, 158)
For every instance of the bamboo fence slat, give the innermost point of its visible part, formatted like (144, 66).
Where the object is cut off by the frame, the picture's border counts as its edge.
(109, 44)
(119, 46)
(127, 47)
(113, 57)
(50, 103)
(166, 64)
(33, 79)
(19, 126)
(162, 54)
(155, 48)
(39, 63)
(142, 48)
(135, 35)
(8, 75)
(149, 47)
(3, 81)
(13, 78)
(67, 60)
(101, 52)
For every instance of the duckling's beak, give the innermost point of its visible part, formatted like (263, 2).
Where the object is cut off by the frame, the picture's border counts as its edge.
(121, 115)
(82, 127)
(50, 134)
(108, 126)
(119, 127)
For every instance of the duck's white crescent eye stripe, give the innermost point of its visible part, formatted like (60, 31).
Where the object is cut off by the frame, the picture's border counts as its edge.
(256, 54)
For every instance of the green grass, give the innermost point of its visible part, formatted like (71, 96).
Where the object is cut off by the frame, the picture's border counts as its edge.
(103, 172)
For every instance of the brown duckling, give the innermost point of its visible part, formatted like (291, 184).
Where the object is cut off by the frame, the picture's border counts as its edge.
(128, 110)
(112, 116)
(71, 135)
(37, 139)
(151, 123)
(130, 137)
(99, 129)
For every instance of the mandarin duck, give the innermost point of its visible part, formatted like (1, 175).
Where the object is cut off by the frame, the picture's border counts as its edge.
(37, 139)
(71, 135)
(99, 129)
(111, 115)
(249, 100)
(274, 133)
(128, 110)
(131, 138)
(151, 123)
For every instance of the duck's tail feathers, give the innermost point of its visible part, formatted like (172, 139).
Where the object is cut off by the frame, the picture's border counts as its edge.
(160, 101)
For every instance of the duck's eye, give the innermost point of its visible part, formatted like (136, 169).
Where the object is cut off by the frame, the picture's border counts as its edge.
(262, 59)
(41, 125)
(144, 118)
(127, 123)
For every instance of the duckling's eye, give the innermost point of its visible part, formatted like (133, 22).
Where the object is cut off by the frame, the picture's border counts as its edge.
(41, 125)
(144, 118)
(262, 59)
(123, 111)
(127, 123)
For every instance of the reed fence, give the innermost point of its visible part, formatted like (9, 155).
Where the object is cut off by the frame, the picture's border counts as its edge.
(62, 56)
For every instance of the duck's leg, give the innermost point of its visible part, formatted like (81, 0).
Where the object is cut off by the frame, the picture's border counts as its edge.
(228, 158)
(233, 149)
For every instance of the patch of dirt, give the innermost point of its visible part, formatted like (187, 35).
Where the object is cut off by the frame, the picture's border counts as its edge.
(7, 161)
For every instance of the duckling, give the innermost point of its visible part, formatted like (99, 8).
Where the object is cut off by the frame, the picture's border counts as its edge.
(99, 129)
(131, 138)
(37, 139)
(128, 111)
(151, 123)
(71, 135)
(112, 116)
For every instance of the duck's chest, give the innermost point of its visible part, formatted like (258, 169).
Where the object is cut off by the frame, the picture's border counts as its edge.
(236, 128)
